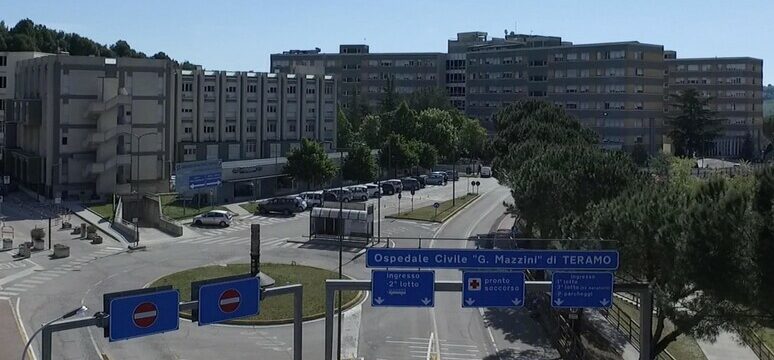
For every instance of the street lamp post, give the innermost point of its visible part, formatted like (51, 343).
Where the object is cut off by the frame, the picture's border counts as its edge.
(67, 315)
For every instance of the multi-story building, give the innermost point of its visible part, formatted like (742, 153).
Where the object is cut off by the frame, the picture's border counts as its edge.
(618, 89)
(366, 74)
(8, 60)
(246, 115)
(735, 87)
(84, 127)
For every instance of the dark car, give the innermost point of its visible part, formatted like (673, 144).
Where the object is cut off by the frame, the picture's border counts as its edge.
(410, 184)
(284, 205)
(422, 180)
(389, 188)
(452, 175)
(330, 196)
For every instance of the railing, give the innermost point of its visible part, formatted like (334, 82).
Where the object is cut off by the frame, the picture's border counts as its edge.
(630, 328)
(758, 346)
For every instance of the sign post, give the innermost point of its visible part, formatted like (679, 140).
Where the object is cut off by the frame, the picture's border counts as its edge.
(493, 289)
(255, 249)
(436, 206)
(582, 290)
(400, 195)
(412, 199)
(402, 288)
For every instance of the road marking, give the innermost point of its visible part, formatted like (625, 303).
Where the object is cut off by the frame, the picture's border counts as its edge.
(15, 289)
(8, 293)
(27, 286)
(429, 346)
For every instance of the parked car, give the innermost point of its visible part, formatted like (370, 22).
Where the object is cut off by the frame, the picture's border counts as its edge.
(397, 183)
(389, 188)
(422, 180)
(343, 195)
(486, 171)
(359, 192)
(285, 205)
(410, 184)
(329, 196)
(453, 175)
(442, 174)
(214, 217)
(312, 198)
(435, 179)
(373, 190)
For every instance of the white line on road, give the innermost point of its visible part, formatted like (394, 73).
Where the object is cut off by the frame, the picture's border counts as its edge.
(15, 289)
(429, 346)
(8, 293)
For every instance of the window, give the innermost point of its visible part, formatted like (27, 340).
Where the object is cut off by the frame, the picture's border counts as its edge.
(64, 140)
(3, 60)
(271, 108)
(706, 67)
(186, 111)
(585, 56)
(231, 89)
(250, 147)
(189, 151)
(230, 128)
(187, 86)
(272, 89)
(271, 126)
(310, 90)
(209, 88)
(2, 104)
(292, 127)
(252, 88)
(209, 129)
(328, 89)
(251, 128)
(309, 127)
(584, 73)
(639, 55)
(291, 89)
(187, 130)
(639, 72)
(311, 110)
(572, 56)
(3, 82)
(251, 110)
(639, 89)
(571, 73)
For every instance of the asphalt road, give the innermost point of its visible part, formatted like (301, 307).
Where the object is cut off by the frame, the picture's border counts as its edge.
(373, 333)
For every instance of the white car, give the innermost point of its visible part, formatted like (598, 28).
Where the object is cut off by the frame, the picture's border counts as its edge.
(312, 198)
(373, 190)
(214, 217)
(486, 171)
(359, 192)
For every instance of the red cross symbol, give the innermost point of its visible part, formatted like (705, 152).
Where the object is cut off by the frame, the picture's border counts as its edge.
(474, 284)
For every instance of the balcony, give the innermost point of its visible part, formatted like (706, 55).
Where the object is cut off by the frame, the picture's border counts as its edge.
(100, 137)
(99, 107)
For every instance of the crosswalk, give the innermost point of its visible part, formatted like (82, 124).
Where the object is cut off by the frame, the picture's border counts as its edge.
(41, 277)
(244, 222)
(271, 242)
(426, 348)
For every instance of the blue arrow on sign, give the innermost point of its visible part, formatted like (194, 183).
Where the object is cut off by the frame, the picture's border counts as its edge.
(582, 290)
(229, 300)
(402, 288)
(146, 314)
(492, 289)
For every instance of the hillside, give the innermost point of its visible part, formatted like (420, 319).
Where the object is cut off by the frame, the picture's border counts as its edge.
(28, 36)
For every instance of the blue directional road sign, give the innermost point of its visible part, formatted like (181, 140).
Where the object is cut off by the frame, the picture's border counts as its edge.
(492, 289)
(207, 180)
(581, 290)
(492, 259)
(146, 314)
(228, 300)
(402, 288)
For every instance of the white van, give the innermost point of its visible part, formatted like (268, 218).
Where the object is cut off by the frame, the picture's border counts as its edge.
(486, 171)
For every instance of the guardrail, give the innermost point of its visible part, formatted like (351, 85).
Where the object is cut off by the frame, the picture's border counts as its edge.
(629, 327)
(758, 346)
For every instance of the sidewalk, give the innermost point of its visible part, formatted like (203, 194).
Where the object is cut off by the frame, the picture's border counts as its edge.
(93, 219)
(235, 208)
(726, 347)
(609, 332)
(11, 341)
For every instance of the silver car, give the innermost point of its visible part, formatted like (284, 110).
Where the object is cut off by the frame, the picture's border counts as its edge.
(359, 192)
(215, 217)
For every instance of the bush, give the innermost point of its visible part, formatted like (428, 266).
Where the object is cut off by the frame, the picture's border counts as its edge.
(91, 229)
(37, 233)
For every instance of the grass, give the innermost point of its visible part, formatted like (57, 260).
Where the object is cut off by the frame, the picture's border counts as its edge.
(251, 207)
(445, 210)
(103, 210)
(684, 347)
(767, 335)
(274, 308)
(175, 209)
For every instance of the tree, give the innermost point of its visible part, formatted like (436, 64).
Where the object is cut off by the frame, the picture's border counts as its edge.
(309, 163)
(344, 132)
(370, 131)
(122, 49)
(359, 165)
(161, 56)
(435, 127)
(397, 153)
(639, 155)
(747, 152)
(429, 98)
(473, 139)
(694, 127)
(390, 100)
(401, 121)
(427, 155)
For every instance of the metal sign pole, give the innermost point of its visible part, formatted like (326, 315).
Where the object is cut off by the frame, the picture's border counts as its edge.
(255, 249)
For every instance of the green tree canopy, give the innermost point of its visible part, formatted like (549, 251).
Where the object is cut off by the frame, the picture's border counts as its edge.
(309, 163)
(397, 153)
(359, 165)
(344, 133)
(473, 139)
(370, 131)
(695, 126)
(436, 127)
(427, 155)
(402, 121)
(429, 98)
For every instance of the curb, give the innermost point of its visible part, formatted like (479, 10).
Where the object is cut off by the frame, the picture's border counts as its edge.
(121, 240)
(443, 219)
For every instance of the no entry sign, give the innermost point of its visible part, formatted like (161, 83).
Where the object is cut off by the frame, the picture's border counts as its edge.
(229, 301)
(226, 299)
(143, 314)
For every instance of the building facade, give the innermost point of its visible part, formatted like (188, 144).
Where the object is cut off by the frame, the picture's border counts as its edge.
(8, 60)
(363, 75)
(618, 89)
(735, 87)
(83, 127)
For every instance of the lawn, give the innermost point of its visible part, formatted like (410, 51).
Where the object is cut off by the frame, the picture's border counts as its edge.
(767, 335)
(274, 308)
(176, 209)
(683, 348)
(445, 210)
(251, 207)
(103, 210)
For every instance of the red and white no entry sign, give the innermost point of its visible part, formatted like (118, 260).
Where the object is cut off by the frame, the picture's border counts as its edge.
(145, 315)
(229, 301)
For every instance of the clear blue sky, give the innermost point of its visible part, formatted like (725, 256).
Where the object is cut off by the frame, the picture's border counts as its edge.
(240, 35)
